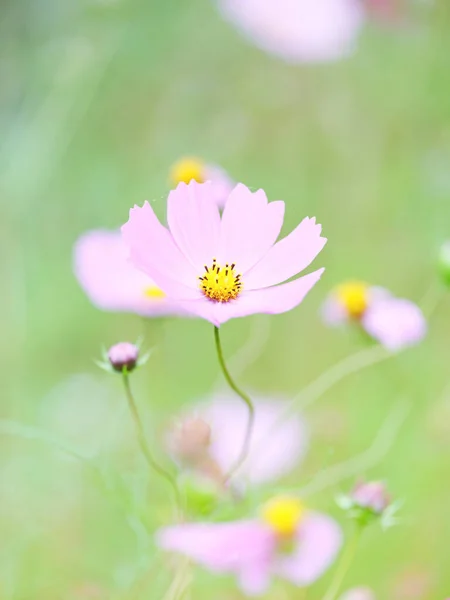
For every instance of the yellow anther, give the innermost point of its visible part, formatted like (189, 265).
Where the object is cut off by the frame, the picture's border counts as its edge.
(187, 169)
(283, 514)
(354, 297)
(220, 284)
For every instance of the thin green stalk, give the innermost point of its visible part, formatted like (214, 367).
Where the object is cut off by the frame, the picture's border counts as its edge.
(153, 464)
(251, 411)
(344, 564)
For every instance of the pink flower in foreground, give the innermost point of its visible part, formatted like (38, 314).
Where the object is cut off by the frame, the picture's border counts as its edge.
(394, 322)
(361, 593)
(111, 282)
(191, 168)
(299, 30)
(222, 267)
(272, 454)
(285, 541)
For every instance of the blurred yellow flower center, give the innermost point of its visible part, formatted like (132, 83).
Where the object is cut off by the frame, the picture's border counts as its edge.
(154, 292)
(283, 514)
(354, 297)
(220, 284)
(187, 169)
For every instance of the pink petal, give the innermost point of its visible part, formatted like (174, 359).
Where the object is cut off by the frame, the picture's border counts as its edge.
(319, 540)
(153, 250)
(273, 300)
(298, 30)
(395, 323)
(220, 547)
(288, 257)
(270, 458)
(194, 222)
(109, 279)
(254, 579)
(250, 226)
(222, 183)
(333, 313)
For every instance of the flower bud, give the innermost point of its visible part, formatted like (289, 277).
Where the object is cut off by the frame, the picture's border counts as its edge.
(189, 441)
(444, 262)
(372, 495)
(123, 356)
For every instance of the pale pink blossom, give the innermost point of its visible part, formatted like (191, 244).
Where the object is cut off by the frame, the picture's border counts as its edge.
(372, 495)
(254, 551)
(394, 322)
(123, 355)
(219, 267)
(299, 30)
(111, 282)
(271, 456)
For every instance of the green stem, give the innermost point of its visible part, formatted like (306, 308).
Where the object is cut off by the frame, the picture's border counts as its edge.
(344, 565)
(153, 464)
(251, 411)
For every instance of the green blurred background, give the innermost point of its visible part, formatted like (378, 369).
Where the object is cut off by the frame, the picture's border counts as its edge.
(98, 99)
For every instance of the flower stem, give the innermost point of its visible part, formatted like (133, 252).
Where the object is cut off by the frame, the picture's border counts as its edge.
(344, 565)
(251, 411)
(140, 433)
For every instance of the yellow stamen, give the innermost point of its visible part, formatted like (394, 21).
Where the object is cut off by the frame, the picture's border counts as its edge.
(354, 297)
(187, 169)
(220, 284)
(283, 514)
(154, 292)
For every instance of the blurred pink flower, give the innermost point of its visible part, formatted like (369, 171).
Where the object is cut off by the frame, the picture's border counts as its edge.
(191, 168)
(284, 541)
(270, 457)
(222, 267)
(360, 593)
(123, 355)
(394, 322)
(372, 494)
(111, 282)
(299, 30)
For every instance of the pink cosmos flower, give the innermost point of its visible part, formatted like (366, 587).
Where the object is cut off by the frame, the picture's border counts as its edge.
(299, 30)
(219, 267)
(269, 458)
(191, 168)
(360, 593)
(285, 541)
(111, 282)
(394, 322)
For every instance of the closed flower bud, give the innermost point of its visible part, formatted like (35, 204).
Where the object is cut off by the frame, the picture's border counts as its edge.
(444, 262)
(189, 441)
(372, 495)
(123, 356)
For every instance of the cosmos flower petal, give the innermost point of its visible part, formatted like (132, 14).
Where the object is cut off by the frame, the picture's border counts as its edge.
(254, 579)
(220, 547)
(194, 222)
(333, 312)
(222, 183)
(319, 539)
(273, 452)
(111, 282)
(153, 250)
(273, 300)
(395, 322)
(250, 226)
(288, 257)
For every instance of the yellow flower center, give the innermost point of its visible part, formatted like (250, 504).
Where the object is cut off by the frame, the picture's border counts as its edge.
(220, 284)
(187, 169)
(354, 296)
(283, 514)
(154, 292)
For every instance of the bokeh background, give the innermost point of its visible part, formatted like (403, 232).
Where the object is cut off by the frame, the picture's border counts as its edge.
(98, 99)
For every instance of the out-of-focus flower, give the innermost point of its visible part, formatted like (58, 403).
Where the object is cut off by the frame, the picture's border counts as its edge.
(444, 263)
(286, 540)
(299, 30)
(273, 453)
(222, 267)
(369, 501)
(123, 356)
(360, 593)
(394, 322)
(111, 282)
(414, 583)
(191, 168)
